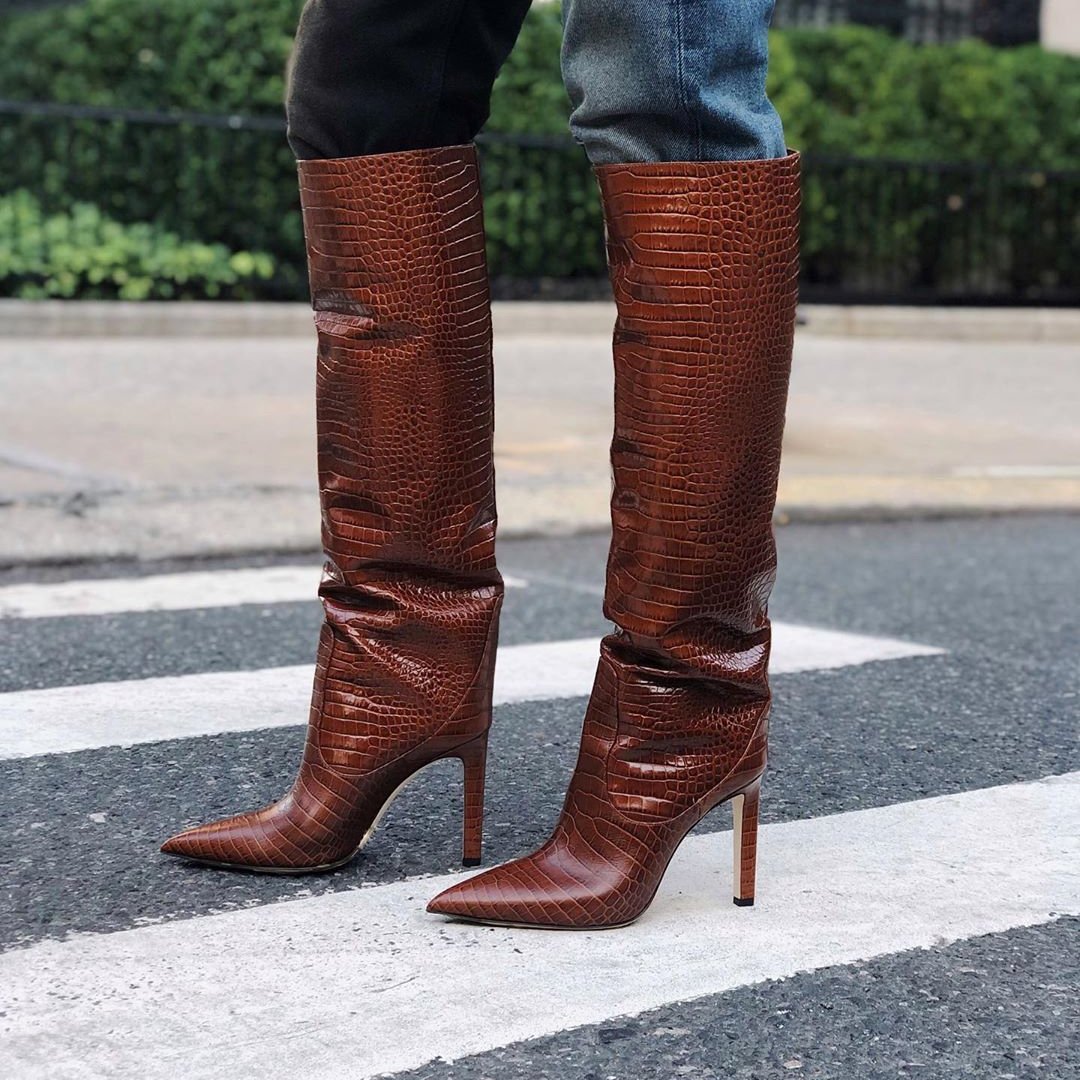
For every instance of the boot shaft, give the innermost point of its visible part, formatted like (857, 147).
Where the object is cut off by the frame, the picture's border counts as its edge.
(404, 380)
(704, 266)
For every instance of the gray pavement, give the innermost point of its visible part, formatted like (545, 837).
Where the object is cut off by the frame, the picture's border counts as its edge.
(78, 831)
(998, 1006)
(999, 708)
(141, 446)
(150, 447)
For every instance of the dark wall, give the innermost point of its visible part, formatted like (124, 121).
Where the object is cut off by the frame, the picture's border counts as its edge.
(29, 5)
(1001, 22)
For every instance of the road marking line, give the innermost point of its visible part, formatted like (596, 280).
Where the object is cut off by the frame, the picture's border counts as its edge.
(1022, 472)
(167, 592)
(360, 983)
(84, 717)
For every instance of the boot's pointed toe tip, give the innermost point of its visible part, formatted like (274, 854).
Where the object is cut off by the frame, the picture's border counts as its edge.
(479, 899)
(186, 845)
(442, 905)
(457, 902)
(200, 844)
(176, 845)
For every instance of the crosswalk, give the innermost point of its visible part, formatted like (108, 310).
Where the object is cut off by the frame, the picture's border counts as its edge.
(361, 982)
(182, 591)
(124, 713)
(327, 982)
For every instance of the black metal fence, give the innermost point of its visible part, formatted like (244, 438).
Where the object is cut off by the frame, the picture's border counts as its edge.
(895, 231)
(873, 231)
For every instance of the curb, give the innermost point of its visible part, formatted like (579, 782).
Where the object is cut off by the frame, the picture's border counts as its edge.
(151, 526)
(942, 323)
(99, 318)
(119, 318)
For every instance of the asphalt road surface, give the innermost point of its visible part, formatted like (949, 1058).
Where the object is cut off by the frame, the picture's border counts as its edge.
(919, 889)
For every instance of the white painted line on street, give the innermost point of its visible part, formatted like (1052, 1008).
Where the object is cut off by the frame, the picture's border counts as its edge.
(167, 592)
(355, 984)
(1022, 472)
(69, 718)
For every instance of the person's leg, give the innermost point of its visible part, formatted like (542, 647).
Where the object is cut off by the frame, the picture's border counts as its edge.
(702, 233)
(378, 76)
(410, 590)
(682, 80)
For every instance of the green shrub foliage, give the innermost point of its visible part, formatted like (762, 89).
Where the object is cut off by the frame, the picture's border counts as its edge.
(81, 253)
(202, 55)
(844, 92)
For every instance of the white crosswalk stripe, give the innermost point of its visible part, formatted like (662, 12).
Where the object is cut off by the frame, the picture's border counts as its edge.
(71, 718)
(363, 983)
(167, 592)
(360, 983)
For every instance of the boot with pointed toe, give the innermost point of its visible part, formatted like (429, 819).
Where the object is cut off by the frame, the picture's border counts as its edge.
(704, 265)
(410, 589)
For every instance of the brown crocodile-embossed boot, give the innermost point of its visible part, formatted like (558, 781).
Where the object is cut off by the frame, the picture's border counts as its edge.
(410, 588)
(704, 264)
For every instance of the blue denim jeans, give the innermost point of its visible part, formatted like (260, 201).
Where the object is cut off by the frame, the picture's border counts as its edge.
(649, 80)
(670, 80)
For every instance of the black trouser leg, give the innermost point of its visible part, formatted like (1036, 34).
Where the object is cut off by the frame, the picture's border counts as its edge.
(378, 76)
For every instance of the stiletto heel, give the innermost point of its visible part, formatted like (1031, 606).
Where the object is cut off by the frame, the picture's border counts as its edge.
(474, 757)
(744, 808)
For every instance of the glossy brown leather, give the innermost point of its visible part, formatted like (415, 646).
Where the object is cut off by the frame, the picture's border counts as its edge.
(405, 420)
(704, 264)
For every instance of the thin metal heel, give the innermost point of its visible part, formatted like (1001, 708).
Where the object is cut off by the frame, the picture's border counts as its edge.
(744, 807)
(474, 758)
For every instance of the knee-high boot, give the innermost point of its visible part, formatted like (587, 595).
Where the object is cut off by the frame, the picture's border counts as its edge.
(410, 588)
(703, 260)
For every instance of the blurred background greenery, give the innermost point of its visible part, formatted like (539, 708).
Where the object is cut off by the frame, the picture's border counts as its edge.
(934, 171)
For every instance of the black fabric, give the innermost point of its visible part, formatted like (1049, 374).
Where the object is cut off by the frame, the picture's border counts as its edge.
(377, 76)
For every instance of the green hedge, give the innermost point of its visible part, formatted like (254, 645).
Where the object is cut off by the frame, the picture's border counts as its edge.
(856, 91)
(204, 55)
(81, 253)
(848, 91)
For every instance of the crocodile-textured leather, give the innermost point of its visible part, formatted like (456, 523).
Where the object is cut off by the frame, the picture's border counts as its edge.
(410, 588)
(704, 263)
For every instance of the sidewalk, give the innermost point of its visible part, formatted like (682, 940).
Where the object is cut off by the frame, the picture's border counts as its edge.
(118, 445)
